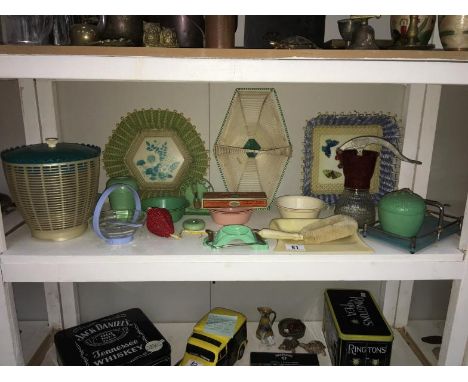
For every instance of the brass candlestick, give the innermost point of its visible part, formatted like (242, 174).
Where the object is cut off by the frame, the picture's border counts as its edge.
(412, 35)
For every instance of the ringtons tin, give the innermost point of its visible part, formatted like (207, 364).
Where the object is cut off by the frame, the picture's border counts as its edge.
(355, 331)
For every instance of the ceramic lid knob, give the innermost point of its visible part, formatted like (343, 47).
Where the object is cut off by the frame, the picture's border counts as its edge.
(51, 142)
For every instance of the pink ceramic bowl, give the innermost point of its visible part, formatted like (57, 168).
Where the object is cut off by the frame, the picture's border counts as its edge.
(233, 215)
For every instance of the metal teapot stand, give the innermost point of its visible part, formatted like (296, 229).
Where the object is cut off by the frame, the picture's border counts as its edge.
(436, 226)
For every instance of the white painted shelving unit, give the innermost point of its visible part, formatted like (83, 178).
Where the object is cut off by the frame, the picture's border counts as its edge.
(86, 259)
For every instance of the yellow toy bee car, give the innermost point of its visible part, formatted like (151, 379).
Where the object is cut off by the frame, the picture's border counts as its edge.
(218, 339)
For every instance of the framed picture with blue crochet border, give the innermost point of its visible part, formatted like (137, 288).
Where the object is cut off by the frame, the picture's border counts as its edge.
(324, 134)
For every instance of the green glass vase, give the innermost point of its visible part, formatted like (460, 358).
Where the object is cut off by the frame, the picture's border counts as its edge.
(122, 198)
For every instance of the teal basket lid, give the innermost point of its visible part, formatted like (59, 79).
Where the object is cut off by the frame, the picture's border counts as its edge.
(50, 153)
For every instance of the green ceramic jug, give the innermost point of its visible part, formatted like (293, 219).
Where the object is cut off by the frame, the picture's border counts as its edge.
(402, 212)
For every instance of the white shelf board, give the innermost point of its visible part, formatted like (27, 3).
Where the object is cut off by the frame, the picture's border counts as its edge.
(32, 334)
(418, 329)
(233, 65)
(12, 221)
(177, 334)
(150, 258)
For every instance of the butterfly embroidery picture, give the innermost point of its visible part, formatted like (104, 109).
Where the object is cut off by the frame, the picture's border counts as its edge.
(329, 143)
(332, 174)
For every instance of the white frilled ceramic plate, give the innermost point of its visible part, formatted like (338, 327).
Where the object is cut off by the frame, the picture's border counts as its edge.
(351, 244)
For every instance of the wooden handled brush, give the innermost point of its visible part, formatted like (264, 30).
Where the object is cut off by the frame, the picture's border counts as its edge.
(320, 231)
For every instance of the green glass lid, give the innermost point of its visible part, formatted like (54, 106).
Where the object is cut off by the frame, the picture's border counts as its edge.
(404, 202)
(50, 152)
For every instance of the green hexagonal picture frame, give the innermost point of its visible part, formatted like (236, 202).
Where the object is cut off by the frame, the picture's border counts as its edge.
(161, 149)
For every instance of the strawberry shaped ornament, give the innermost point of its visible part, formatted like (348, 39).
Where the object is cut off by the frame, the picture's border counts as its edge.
(159, 222)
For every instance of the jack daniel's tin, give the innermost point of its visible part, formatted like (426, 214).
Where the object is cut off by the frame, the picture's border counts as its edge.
(126, 338)
(355, 331)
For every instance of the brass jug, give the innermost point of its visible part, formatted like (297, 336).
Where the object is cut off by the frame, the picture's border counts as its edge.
(87, 31)
(265, 331)
(364, 35)
(124, 27)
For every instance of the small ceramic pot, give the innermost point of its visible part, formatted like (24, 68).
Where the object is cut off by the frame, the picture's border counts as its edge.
(453, 32)
(399, 28)
(402, 212)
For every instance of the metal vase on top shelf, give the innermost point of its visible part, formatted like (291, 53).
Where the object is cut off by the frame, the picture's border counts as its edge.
(363, 38)
(453, 32)
(347, 27)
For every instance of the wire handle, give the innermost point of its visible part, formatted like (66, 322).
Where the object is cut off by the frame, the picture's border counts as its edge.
(97, 213)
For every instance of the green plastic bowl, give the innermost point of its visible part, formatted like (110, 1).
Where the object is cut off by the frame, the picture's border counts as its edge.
(174, 204)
